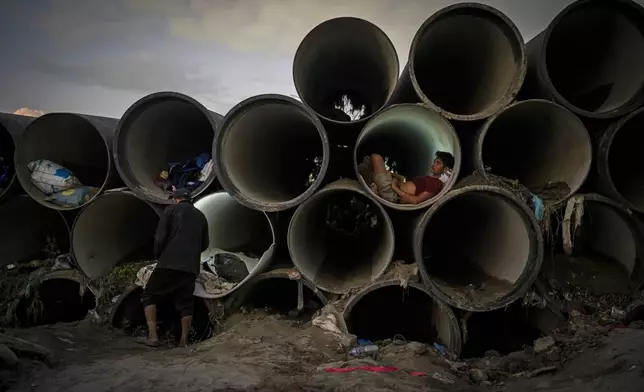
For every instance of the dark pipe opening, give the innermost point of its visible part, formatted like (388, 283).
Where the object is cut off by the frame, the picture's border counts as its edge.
(626, 172)
(475, 248)
(538, 143)
(69, 140)
(131, 318)
(408, 136)
(157, 131)
(280, 295)
(57, 301)
(7, 172)
(392, 310)
(116, 228)
(595, 55)
(503, 330)
(469, 60)
(345, 57)
(272, 152)
(340, 240)
(25, 228)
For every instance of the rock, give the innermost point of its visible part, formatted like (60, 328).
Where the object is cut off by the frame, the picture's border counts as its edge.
(486, 384)
(492, 354)
(417, 348)
(543, 344)
(478, 375)
(7, 358)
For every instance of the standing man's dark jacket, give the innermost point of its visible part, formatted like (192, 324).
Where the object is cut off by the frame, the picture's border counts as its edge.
(180, 238)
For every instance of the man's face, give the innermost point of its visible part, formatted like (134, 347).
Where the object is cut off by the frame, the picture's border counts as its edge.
(438, 167)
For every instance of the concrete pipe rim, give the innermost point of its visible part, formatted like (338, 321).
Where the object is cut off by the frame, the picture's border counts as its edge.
(602, 162)
(298, 53)
(112, 192)
(479, 165)
(26, 182)
(542, 69)
(274, 238)
(517, 83)
(533, 265)
(340, 186)
(456, 341)
(448, 186)
(222, 173)
(123, 168)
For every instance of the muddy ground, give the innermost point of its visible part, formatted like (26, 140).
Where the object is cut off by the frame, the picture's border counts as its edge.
(259, 352)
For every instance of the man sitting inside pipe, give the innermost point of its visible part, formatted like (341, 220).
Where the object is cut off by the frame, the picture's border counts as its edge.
(181, 236)
(394, 188)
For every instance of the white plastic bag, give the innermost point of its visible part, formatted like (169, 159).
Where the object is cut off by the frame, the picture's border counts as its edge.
(51, 177)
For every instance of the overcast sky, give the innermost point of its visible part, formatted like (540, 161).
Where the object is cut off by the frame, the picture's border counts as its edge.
(99, 56)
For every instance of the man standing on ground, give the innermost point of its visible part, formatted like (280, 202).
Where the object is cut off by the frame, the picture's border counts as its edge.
(181, 236)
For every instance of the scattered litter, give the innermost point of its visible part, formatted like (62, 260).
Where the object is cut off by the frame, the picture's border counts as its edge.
(364, 342)
(10, 267)
(441, 349)
(617, 314)
(442, 378)
(51, 177)
(543, 344)
(208, 284)
(189, 175)
(362, 351)
(74, 196)
(377, 369)
(63, 262)
(537, 372)
(330, 320)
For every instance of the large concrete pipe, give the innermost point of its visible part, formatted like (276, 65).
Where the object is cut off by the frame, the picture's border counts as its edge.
(341, 238)
(282, 290)
(478, 248)
(467, 61)
(345, 57)
(25, 229)
(59, 297)
(409, 311)
(271, 152)
(158, 130)
(590, 59)
(538, 143)
(409, 135)
(11, 128)
(79, 142)
(620, 173)
(116, 228)
(242, 241)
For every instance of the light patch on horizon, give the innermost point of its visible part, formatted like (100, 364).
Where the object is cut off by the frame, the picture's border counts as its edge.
(25, 111)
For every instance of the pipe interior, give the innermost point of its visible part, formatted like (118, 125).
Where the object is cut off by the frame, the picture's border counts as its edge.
(476, 241)
(409, 136)
(69, 140)
(24, 229)
(467, 61)
(131, 318)
(340, 240)
(345, 56)
(159, 132)
(114, 229)
(538, 143)
(391, 310)
(58, 301)
(7, 148)
(595, 56)
(280, 295)
(503, 330)
(277, 164)
(626, 172)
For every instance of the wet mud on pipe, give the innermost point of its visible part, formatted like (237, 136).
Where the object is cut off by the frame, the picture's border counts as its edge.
(128, 315)
(345, 57)
(60, 297)
(11, 128)
(386, 309)
(538, 143)
(468, 62)
(25, 228)
(242, 241)
(408, 135)
(271, 152)
(620, 173)
(478, 248)
(341, 238)
(590, 58)
(79, 142)
(278, 292)
(116, 228)
(158, 130)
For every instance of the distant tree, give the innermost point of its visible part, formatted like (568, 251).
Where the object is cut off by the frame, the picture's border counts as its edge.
(346, 106)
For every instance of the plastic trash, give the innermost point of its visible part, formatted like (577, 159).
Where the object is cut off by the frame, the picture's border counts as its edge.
(537, 205)
(73, 197)
(51, 177)
(361, 351)
(364, 342)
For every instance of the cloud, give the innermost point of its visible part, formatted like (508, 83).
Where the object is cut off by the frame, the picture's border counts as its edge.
(29, 112)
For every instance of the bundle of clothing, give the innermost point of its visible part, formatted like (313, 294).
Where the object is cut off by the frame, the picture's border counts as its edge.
(59, 184)
(189, 175)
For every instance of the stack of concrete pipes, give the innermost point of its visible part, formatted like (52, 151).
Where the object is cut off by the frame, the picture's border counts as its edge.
(471, 87)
